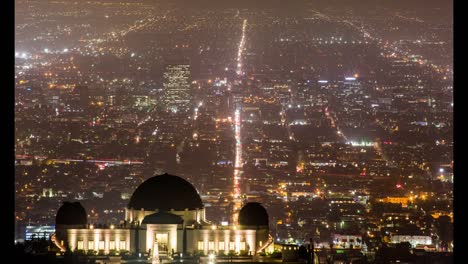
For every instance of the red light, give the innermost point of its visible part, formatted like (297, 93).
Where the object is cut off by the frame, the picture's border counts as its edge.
(398, 186)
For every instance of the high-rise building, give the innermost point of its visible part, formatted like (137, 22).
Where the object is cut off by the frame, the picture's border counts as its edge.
(177, 87)
(351, 85)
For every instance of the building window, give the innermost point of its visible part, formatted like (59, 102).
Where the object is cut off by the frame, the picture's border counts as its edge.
(112, 245)
(211, 245)
(261, 243)
(101, 245)
(122, 245)
(80, 245)
(242, 245)
(200, 245)
(91, 245)
(232, 245)
(221, 245)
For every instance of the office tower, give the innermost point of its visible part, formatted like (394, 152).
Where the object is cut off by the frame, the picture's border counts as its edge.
(177, 87)
(351, 85)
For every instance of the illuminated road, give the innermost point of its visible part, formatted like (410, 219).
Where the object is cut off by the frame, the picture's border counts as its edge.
(69, 160)
(393, 49)
(237, 167)
(237, 131)
(334, 125)
(236, 193)
(54, 240)
(268, 243)
(415, 19)
(241, 49)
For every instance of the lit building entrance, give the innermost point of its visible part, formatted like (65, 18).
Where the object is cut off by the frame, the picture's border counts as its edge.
(162, 242)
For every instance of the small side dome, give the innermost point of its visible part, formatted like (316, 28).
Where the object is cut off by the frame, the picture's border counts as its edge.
(162, 218)
(71, 214)
(253, 214)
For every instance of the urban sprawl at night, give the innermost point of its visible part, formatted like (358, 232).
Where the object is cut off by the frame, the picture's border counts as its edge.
(336, 119)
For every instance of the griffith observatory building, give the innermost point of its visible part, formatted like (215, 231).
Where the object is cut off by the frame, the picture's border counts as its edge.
(165, 215)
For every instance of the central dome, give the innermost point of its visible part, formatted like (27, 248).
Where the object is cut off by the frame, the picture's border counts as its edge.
(165, 192)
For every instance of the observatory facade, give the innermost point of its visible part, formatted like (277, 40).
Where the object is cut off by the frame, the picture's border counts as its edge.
(165, 213)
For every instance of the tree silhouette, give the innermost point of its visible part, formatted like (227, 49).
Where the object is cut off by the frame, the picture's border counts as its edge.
(444, 230)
